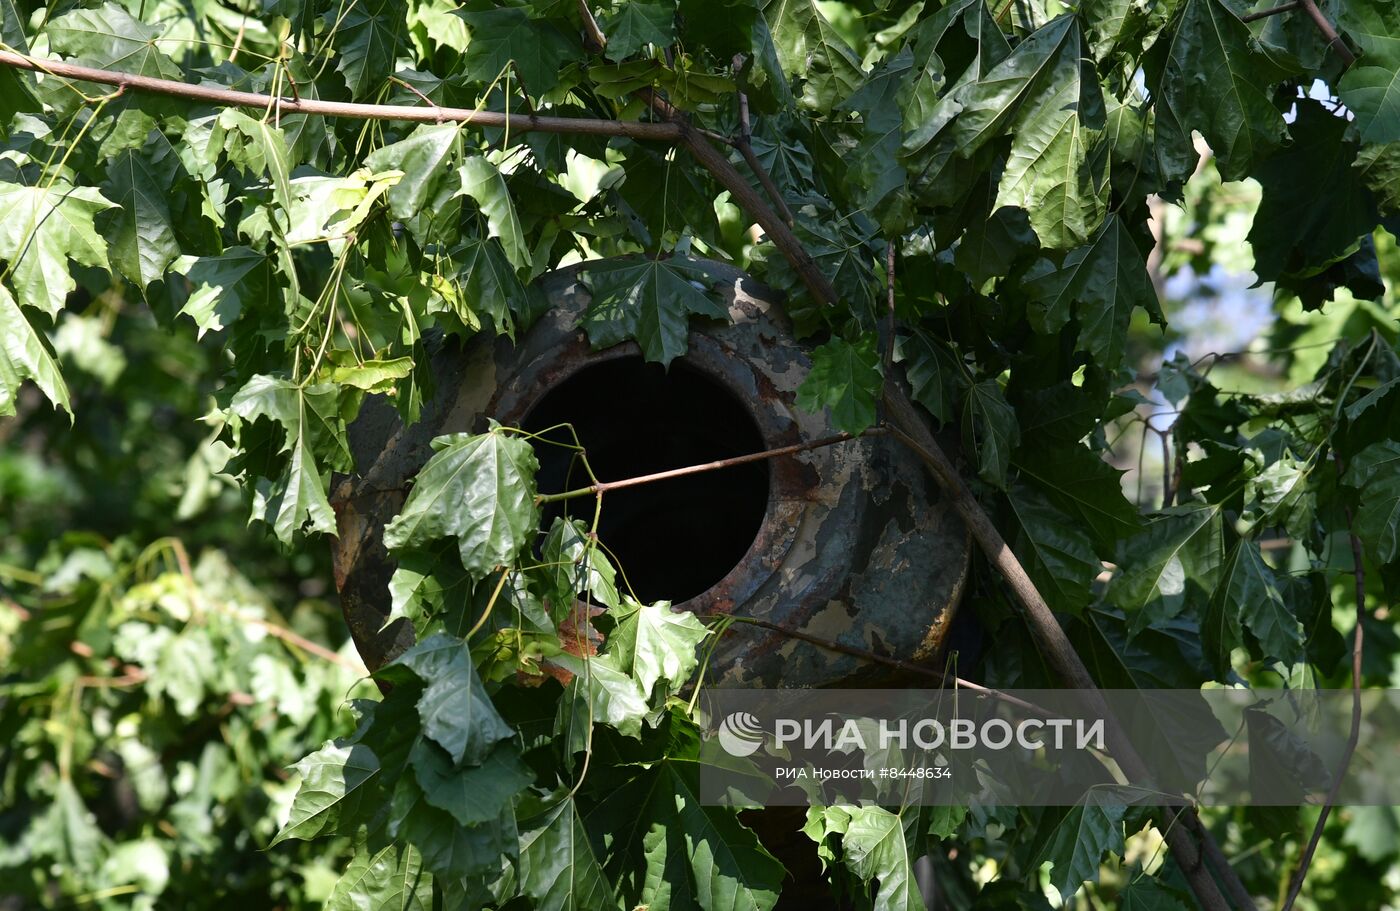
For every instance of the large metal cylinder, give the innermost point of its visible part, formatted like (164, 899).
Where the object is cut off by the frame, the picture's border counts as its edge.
(848, 542)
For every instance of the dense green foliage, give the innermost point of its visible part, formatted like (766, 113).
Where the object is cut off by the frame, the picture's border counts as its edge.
(1018, 155)
(148, 714)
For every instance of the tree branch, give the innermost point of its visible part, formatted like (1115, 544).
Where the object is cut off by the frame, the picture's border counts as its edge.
(1357, 643)
(1266, 13)
(1328, 32)
(594, 41)
(1326, 28)
(833, 645)
(907, 424)
(603, 487)
(1051, 637)
(517, 123)
(744, 143)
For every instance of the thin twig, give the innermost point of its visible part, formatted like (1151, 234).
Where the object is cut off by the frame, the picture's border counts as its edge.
(603, 487)
(1357, 645)
(889, 301)
(1326, 28)
(748, 199)
(1166, 468)
(594, 41)
(1050, 636)
(1066, 662)
(744, 143)
(517, 123)
(291, 638)
(131, 678)
(529, 105)
(1328, 32)
(941, 677)
(1266, 13)
(414, 89)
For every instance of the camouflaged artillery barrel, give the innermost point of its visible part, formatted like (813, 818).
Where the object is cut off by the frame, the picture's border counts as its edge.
(847, 542)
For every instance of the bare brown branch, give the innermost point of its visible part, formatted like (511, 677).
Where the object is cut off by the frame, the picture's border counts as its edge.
(593, 38)
(1310, 7)
(1328, 32)
(1266, 13)
(603, 487)
(1050, 636)
(520, 123)
(744, 143)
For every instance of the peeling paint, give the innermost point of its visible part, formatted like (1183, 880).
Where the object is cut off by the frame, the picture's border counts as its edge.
(856, 545)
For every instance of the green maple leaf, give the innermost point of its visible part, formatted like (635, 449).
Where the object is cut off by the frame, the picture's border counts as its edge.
(639, 23)
(1080, 482)
(576, 564)
(473, 794)
(41, 230)
(1058, 554)
(368, 37)
(1049, 171)
(424, 157)
(508, 35)
(1375, 472)
(1089, 830)
(483, 183)
(650, 300)
(455, 711)
(875, 848)
(1249, 594)
(1291, 233)
(478, 489)
(809, 47)
(311, 422)
(1099, 283)
(1180, 552)
(390, 879)
(991, 430)
(601, 691)
(558, 867)
(932, 371)
(1370, 88)
(653, 642)
(257, 147)
(487, 284)
(1207, 73)
(25, 355)
(450, 849)
(110, 38)
(224, 285)
(332, 779)
(846, 378)
(142, 235)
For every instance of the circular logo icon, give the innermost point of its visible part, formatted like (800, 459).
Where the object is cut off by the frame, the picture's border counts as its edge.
(740, 734)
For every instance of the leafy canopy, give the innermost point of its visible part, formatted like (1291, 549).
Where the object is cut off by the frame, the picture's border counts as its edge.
(1009, 159)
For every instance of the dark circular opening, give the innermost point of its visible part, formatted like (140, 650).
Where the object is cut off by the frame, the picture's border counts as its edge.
(676, 538)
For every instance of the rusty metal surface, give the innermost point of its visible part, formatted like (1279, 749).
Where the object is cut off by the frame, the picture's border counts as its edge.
(855, 545)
